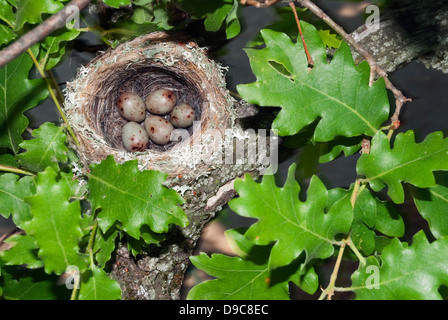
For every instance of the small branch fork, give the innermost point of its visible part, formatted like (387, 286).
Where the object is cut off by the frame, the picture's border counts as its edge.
(43, 30)
(400, 99)
(256, 3)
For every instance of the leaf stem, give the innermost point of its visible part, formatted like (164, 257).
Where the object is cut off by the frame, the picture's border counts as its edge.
(75, 288)
(329, 290)
(50, 82)
(400, 99)
(89, 249)
(362, 260)
(310, 59)
(16, 170)
(92, 241)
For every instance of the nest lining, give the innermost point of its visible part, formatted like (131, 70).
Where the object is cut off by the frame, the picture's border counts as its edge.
(142, 78)
(142, 66)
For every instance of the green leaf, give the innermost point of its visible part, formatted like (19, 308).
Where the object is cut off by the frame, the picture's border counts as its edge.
(337, 93)
(135, 246)
(406, 272)
(233, 27)
(249, 277)
(6, 34)
(31, 284)
(216, 13)
(46, 150)
(13, 192)
(55, 223)
(23, 252)
(98, 286)
(17, 94)
(8, 160)
(331, 40)
(305, 278)
(117, 3)
(293, 225)
(370, 215)
(104, 245)
(238, 280)
(286, 23)
(432, 204)
(7, 16)
(133, 197)
(6, 12)
(332, 149)
(30, 11)
(53, 46)
(407, 161)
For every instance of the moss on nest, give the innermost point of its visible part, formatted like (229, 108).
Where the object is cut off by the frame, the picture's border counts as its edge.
(143, 65)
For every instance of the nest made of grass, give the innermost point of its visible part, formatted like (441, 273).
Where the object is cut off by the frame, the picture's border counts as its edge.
(142, 66)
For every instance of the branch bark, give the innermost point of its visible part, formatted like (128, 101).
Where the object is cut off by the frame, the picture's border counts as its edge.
(158, 272)
(55, 22)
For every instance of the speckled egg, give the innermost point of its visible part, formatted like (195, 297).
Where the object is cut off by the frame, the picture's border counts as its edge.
(131, 107)
(161, 101)
(159, 129)
(134, 137)
(182, 116)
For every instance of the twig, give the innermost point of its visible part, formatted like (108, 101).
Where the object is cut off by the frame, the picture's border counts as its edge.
(310, 59)
(362, 260)
(400, 99)
(55, 22)
(51, 82)
(256, 3)
(329, 290)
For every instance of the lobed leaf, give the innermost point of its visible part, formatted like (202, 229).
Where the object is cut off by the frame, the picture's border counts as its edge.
(98, 286)
(406, 272)
(249, 276)
(117, 3)
(46, 150)
(294, 226)
(30, 11)
(134, 198)
(31, 284)
(216, 14)
(304, 277)
(17, 94)
(237, 280)
(336, 93)
(13, 192)
(54, 46)
(432, 204)
(23, 252)
(407, 161)
(55, 223)
(372, 215)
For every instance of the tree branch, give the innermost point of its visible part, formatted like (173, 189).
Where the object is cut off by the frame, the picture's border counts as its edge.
(43, 30)
(258, 4)
(400, 99)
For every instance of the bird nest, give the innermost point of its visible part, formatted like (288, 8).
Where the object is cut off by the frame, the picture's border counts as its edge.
(144, 65)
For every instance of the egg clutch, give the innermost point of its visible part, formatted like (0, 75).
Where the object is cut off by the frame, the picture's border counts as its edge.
(153, 119)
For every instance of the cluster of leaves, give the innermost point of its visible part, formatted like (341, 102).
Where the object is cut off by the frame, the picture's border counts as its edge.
(71, 217)
(291, 237)
(72, 221)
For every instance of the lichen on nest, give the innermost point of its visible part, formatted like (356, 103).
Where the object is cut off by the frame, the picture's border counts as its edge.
(143, 65)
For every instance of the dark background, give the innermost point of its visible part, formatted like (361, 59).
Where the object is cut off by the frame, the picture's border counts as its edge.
(427, 112)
